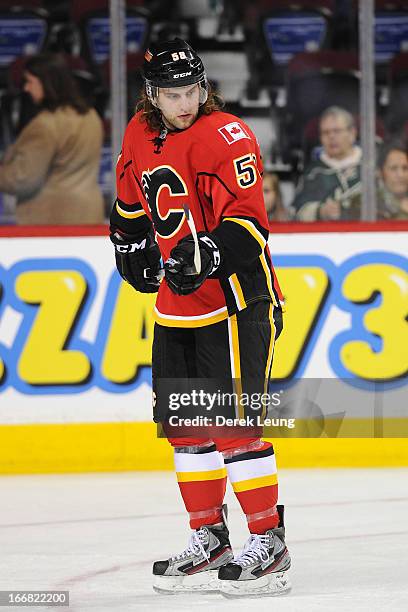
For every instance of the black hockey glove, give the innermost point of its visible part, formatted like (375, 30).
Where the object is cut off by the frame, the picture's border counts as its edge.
(138, 261)
(180, 270)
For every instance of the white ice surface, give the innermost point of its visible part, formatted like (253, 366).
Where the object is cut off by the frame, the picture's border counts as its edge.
(97, 536)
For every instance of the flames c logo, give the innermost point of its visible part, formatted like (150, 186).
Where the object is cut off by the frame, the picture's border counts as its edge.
(166, 223)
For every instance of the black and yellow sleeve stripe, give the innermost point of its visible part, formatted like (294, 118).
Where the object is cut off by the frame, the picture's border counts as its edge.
(251, 227)
(245, 262)
(129, 211)
(243, 240)
(130, 218)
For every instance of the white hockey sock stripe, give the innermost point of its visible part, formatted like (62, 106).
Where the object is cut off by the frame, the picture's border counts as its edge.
(251, 468)
(206, 462)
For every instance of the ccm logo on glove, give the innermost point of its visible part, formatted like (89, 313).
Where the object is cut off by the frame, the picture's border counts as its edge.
(138, 263)
(129, 248)
(216, 252)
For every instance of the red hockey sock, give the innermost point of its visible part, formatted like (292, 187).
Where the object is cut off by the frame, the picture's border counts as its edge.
(202, 480)
(254, 479)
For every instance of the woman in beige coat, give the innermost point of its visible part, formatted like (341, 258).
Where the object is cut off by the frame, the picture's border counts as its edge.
(53, 165)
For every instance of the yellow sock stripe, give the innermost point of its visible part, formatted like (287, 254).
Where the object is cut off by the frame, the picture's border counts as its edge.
(270, 354)
(238, 293)
(255, 483)
(197, 476)
(250, 227)
(235, 362)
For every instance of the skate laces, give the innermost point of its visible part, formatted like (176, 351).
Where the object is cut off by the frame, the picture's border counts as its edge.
(256, 549)
(195, 546)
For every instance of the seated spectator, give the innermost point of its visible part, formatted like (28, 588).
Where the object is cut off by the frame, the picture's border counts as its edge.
(392, 193)
(273, 198)
(53, 165)
(331, 186)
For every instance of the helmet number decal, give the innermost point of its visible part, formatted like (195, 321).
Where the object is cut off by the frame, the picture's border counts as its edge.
(154, 182)
(178, 56)
(246, 170)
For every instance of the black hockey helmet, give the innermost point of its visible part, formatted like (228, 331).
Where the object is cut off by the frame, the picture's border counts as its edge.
(173, 63)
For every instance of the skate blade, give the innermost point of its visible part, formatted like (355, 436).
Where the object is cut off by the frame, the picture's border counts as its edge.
(271, 585)
(203, 582)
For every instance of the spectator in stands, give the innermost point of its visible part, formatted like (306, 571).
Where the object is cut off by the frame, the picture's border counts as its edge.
(273, 198)
(53, 165)
(331, 186)
(392, 193)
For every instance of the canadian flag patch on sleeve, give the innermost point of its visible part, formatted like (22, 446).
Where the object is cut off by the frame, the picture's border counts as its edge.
(233, 132)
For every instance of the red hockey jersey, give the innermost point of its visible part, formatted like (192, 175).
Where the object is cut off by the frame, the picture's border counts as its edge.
(215, 168)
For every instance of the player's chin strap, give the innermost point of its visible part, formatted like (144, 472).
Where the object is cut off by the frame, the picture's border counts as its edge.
(159, 140)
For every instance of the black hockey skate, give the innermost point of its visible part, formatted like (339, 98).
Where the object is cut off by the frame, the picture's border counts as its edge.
(261, 569)
(196, 568)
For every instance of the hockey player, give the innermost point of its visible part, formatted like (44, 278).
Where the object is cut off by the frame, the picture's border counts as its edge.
(218, 309)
